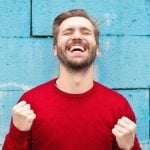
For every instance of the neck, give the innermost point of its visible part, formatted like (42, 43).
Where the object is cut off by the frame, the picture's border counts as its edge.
(75, 82)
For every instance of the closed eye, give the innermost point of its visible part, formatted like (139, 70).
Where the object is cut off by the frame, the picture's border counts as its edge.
(68, 32)
(86, 31)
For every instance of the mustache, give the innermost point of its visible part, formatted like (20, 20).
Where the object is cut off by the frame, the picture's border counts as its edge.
(77, 42)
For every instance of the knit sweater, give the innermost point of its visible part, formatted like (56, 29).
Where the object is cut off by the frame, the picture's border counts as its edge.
(71, 121)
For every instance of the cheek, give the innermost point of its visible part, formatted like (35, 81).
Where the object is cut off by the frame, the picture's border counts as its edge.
(91, 40)
(61, 42)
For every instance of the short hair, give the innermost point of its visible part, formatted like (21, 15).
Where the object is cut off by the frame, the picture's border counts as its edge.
(74, 13)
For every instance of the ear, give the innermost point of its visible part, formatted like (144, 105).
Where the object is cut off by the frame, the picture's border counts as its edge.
(98, 52)
(55, 50)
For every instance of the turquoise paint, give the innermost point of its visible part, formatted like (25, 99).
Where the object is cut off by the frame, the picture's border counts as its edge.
(125, 61)
(115, 17)
(14, 18)
(124, 45)
(7, 100)
(27, 60)
(139, 100)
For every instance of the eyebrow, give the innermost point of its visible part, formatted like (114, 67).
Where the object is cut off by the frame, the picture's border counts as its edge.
(81, 28)
(68, 29)
(87, 29)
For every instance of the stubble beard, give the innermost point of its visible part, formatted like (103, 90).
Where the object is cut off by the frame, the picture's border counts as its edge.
(73, 64)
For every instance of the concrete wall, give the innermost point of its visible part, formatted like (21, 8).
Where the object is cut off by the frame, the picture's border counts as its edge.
(26, 54)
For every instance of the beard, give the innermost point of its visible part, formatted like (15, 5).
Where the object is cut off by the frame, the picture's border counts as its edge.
(74, 64)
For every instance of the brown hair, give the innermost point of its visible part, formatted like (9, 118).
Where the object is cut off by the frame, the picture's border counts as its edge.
(73, 13)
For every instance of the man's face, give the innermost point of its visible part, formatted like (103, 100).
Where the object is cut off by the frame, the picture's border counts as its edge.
(76, 46)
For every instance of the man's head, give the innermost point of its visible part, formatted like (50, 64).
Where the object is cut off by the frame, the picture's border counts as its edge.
(76, 39)
(74, 13)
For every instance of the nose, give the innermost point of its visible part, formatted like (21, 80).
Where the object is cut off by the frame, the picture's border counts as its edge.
(76, 35)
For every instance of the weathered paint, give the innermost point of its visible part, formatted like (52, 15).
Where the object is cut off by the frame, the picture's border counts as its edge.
(139, 100)
(26, 60)
(115, 17)
(14, 18)
(9, 99)
(26, 54)
(125, 62)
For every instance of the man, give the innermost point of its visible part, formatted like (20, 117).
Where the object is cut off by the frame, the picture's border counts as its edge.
(73, 112)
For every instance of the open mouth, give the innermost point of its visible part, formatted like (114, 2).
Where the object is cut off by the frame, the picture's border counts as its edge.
(77, 49)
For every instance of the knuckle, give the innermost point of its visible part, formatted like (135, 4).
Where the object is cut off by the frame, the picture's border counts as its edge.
(116, 126)
(134, 126)
(119, 121)
(14, 109)
(28, 105)
(31, 112)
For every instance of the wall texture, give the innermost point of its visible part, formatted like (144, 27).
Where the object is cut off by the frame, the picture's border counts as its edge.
(26, 53)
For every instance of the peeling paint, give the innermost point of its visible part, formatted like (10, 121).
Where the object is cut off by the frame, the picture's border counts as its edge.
(109, 17)
(15, 84)
(130, 67)
(107, 44)
(2, 94)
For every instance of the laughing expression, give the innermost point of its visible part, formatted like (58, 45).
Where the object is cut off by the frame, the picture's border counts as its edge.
(76, 45)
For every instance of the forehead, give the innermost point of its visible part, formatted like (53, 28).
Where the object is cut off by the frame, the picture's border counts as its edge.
(76, 22)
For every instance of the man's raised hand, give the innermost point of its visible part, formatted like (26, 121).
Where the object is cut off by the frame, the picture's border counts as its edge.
(124, 132)
(23, 116)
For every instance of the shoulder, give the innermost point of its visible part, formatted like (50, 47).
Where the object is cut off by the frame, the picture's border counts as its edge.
(106, 90)
(116, 102)
(39, 90)
(111, 96)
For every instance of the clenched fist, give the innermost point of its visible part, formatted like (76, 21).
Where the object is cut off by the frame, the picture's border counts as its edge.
(23, 116)
(124, 132)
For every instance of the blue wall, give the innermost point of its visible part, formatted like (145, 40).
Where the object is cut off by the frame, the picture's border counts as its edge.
(26, 53)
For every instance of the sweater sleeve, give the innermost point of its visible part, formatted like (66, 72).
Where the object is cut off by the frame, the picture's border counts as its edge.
(16, 140)
(128, 112)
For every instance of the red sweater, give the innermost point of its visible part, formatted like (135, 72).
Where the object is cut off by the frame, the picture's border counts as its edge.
(71, 121)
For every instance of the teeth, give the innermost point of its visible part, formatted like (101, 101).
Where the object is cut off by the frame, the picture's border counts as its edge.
(76, 48)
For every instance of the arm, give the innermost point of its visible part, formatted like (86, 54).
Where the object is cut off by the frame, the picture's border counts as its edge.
(16, 140)
(125, 133)
(125, 127)
(19, 135)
